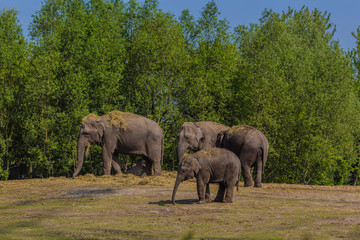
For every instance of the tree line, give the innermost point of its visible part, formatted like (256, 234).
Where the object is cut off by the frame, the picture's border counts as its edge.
(285, 75)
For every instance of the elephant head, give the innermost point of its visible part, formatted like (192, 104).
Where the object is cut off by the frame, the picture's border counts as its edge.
(189, 137)
(188, 169)
(91, 132)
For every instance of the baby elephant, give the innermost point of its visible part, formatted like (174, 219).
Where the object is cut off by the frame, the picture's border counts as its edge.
(212, 165)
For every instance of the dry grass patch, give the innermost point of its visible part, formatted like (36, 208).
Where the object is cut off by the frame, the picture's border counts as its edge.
(130, 207)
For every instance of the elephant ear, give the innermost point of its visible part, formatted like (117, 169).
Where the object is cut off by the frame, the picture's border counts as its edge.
(199, 135)
(100, 126)
(220, 139)
(195, 165)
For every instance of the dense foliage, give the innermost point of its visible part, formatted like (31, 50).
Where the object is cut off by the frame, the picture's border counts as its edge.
(285, 75)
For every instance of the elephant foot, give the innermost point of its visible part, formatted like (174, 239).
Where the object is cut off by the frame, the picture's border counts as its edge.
(208, 200)
(218, 200)
(202, 201)
(247, 185)
(258, 185)
(227, 201)
(158, 174)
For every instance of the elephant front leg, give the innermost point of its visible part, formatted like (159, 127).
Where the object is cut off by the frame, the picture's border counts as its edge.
(207, 194)
(201, 189)
(107, 158)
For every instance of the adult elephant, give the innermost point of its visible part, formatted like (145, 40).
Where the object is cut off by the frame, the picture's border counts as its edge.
(124, 133)
(252, 148)
(197, 136)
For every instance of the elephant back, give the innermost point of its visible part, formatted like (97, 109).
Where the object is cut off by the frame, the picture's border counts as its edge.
(124, 120)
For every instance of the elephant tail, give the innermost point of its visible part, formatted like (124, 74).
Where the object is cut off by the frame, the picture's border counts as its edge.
(264, 155)
(162, 150)
(238, 180)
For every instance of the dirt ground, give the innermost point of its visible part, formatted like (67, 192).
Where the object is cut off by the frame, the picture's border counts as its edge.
(129, 207)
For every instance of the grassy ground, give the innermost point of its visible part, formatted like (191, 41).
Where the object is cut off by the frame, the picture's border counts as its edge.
(129, 207)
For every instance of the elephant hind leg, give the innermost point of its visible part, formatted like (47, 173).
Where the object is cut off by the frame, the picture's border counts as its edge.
(248, 182)
(116, 163)
(155, 158)
(247, 158)
(220, 195)
(157, 169)
(259, 167)
(230, 190)
(229, 194)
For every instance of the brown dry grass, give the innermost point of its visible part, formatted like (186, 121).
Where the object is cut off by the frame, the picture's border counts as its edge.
(129, 207)
(118, 119)
(115, 118)
(89, 118)
(235, 129)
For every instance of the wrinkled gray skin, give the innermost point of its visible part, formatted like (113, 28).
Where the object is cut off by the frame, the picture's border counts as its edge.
(141, 137)
(213, 165)
(197, 136)
(252, 148)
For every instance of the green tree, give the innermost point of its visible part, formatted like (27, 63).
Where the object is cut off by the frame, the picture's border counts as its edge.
(355, 57)
(297, 87)
(206, 94)
(78, 59)
(156, 57)
(12, 73)
(285, 75)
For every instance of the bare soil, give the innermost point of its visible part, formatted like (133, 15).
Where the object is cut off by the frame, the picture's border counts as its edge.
(130, 207)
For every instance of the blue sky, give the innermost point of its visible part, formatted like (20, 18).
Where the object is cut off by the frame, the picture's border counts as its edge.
(345, 13)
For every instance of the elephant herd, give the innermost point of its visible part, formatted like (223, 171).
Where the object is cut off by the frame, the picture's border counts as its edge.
(220, 152)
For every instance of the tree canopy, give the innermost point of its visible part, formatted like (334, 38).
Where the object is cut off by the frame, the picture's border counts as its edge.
(285, 75)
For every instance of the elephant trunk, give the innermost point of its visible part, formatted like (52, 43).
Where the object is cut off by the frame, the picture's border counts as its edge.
(181, 149)
(83, 142)
(177, 183)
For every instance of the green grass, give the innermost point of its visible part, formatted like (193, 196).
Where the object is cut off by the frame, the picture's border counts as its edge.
(129, 207)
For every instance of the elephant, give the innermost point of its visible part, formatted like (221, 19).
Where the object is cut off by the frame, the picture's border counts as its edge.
(212, 165)
(252, 148)
(124, 133)
(197, 136)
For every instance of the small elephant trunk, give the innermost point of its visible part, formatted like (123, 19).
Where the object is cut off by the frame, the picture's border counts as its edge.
(177, 183)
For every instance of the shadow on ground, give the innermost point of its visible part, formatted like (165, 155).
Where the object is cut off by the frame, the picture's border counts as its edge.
(183, 201)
